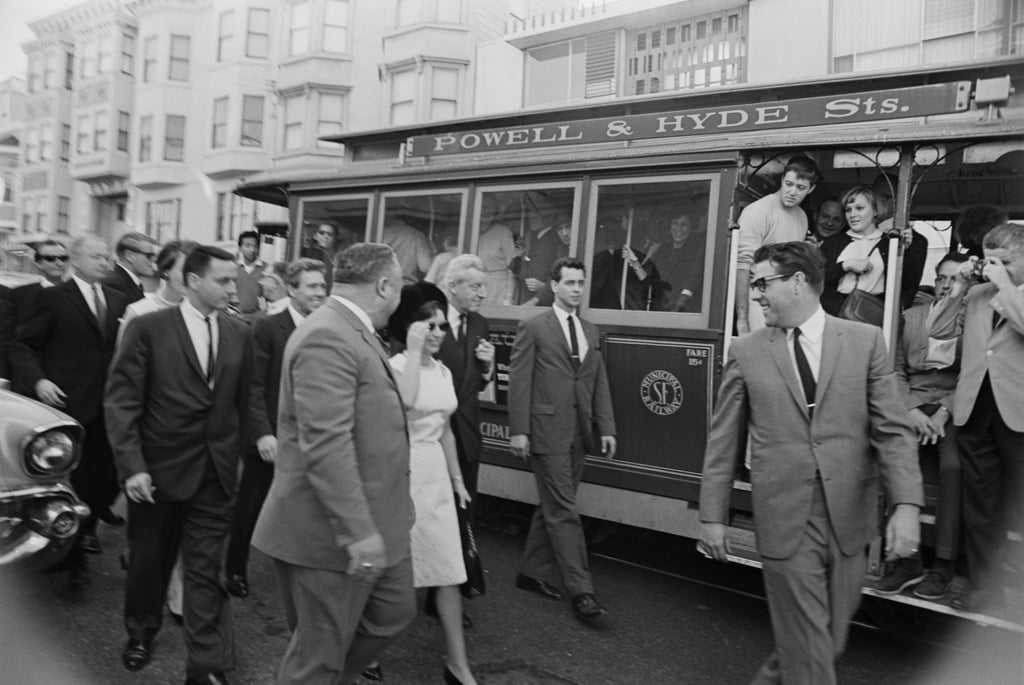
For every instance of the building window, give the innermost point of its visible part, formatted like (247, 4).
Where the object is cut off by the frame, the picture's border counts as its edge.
(31, 145)
(105, 59)
(174, 138)
(50, 71)
(220, 123)
(163, 220)
(403, 97)
(124, 122)
(252, 120)
(335, 25)
(429, 11)
(69, 69)
(298, 28)
(234, 214)
(63, 213)
(127, 53)
(83, 144)
(45, 143)
(556, 73)
(225, 33)
(146, 138)
(65, 142)
(34, 77)
(100, 132)
(87, 67)
(331, 117)
(148, 59)
(444, 93)
(294, 113)
(178, 70)
(257, 35)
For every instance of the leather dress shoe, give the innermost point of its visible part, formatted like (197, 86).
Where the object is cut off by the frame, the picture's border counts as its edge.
(541, 587)
(237, 586)
(978, 601)
(136, 654)
(430, 609)
(586, 607)
(110, 518)
(90, 544)
(373, 672)
(207, 679)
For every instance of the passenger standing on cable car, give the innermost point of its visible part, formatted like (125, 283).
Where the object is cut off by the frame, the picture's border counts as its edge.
(775, 218)
(558, 395)
(816, 399)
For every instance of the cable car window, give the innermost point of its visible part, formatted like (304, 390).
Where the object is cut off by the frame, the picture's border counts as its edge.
(423, 230)
(650, 247)
(521, 232)
(331, 225)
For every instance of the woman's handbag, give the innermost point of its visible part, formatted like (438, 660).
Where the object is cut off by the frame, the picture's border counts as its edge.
(863, 306)
(474, 584)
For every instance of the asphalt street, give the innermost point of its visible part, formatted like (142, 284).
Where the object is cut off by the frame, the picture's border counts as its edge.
(661, 628)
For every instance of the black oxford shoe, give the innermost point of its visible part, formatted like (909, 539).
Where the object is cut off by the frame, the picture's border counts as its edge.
(90, 544)
(586, 607)
(541, 587)
(136, 654)
(110, 518)
(237, 585)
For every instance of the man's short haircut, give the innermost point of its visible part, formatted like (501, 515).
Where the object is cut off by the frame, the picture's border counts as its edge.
(955, 257)
(794, 256)
(198, 261)
(79, 243)
(249, 234)
(974, 223)
(293, 271)
(131, 240)
(169, 254)
(1005, 237)
(49, 242)
(870, 195)
(824, 202)
(804, 168)
(458, 268)
(566, 263)
(363, 263)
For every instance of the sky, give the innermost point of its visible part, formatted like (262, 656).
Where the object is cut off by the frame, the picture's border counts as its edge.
(14, 18)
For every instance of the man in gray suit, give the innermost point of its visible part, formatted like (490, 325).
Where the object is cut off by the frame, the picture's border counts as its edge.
(337, 518)
(819, 402)
(558, 396)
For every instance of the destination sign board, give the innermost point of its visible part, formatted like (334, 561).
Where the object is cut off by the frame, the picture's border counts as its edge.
(879, 105)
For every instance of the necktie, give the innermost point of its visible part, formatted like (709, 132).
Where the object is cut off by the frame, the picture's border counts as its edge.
(574, 343)
(101, 308)
(462, 334)
(211, 362)
(806, 377)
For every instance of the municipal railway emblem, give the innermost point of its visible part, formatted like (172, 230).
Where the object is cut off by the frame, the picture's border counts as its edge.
(661, 392)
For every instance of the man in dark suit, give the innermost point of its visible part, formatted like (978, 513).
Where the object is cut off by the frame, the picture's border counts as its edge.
(176, 408)
(307, 289)
(544, 246)
(136, 253)
(558, 397)
(337, 519)
(51, 258)
(60, 356)
(988, 410)
(819, 401)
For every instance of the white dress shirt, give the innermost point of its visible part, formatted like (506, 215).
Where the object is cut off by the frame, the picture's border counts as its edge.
(90, 293)
(581, 339)
(812, 332)
(195, 322)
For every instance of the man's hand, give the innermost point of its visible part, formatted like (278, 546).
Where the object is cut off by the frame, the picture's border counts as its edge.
(366, 558)
(922, 426)
(713, 541)
(742, 326)
(139, 488)
(520, 445)
(608, 446)
(534, 284)
(50, 393)
(484, 352)
(903, 532)
(938, 421)
(267, 447)
(996, 273)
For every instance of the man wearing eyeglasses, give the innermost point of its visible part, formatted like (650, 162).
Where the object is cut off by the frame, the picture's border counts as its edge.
(820, 404)
(51, 258)
(136, 253)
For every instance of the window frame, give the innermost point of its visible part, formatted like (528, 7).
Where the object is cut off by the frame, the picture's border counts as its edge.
(124, 126)
(372, 203)
(146, 123)
(219, 122)
(293, 30)
(183, 63)
(225, 33)
(299, 124)
(168, 138)
(250, 33)
(150, 47)
(343, 28)
(127, 53)
(83, 135)
(320, 121)
(242, 131)
(99, 131)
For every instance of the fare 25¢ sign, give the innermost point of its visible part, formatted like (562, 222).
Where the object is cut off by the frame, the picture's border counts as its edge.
(877, 105)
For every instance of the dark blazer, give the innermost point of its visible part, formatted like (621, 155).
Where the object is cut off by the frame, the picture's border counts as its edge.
(269, 335)
(540, 255)
(467, 374)
(120, 280)
(59, 339)
(606, 281)
(859, 434)
(546, 395)
(162, 416)
(342, 468)
(6, 329)
(914, 258)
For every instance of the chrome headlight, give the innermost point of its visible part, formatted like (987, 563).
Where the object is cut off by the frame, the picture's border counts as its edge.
(50, 452)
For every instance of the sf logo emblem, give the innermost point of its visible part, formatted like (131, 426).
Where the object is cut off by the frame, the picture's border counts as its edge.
(661, 393)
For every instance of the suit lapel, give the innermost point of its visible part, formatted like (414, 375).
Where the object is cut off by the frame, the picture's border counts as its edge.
(780, 355)
(185, 341)
(831, 351)
(556, 330)
(73, 291)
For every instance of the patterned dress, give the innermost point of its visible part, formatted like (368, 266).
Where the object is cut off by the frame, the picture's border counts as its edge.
(436, 546)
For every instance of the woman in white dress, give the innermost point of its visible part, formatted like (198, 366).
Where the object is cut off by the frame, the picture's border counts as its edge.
(428, 393)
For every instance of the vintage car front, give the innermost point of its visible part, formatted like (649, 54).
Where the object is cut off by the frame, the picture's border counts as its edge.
(39, 511)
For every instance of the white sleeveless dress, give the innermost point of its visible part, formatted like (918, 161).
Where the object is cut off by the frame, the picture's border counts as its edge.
(436, 546)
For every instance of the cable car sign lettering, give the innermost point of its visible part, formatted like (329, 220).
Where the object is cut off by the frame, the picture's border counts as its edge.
(898, 103)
